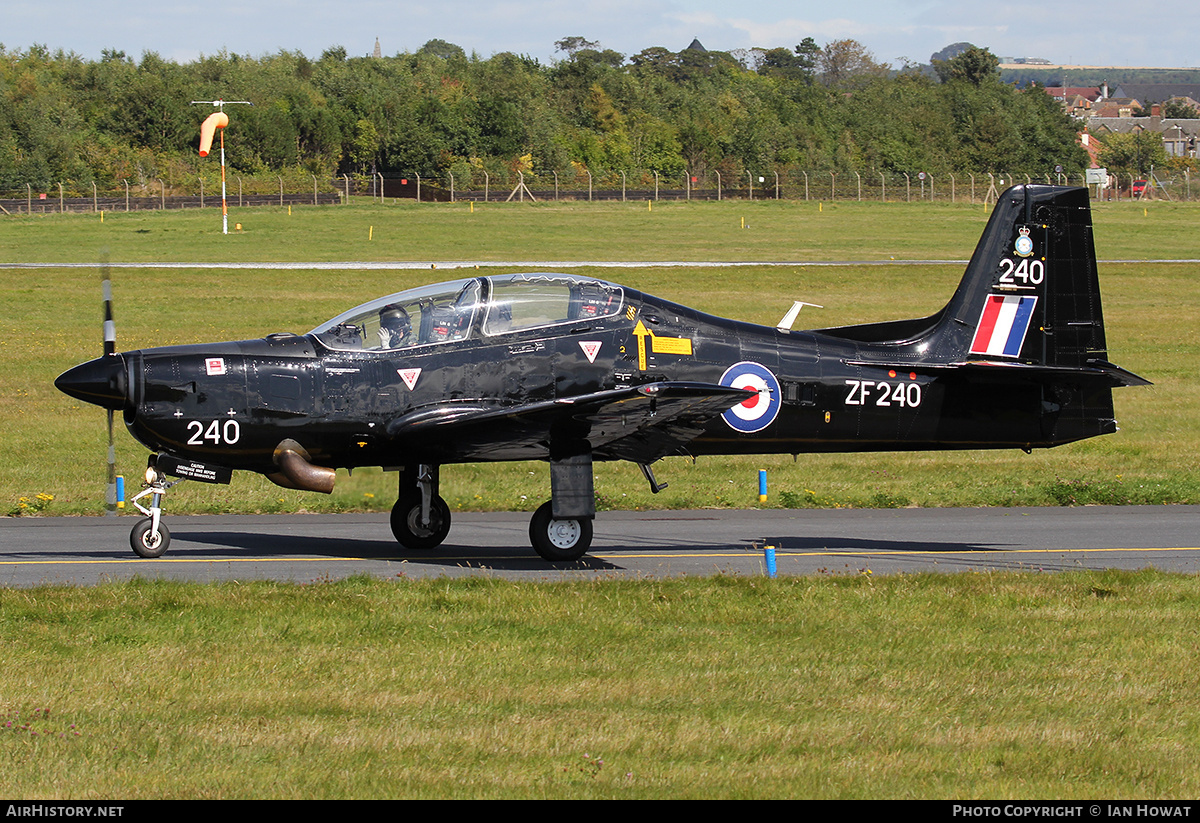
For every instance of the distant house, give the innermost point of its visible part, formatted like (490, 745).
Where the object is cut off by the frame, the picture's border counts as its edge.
(1104, 114)
(1092, 147)
(1116, 107)
(1092, 101)
(1077, 102)
(1180, 137)
(1157, 92)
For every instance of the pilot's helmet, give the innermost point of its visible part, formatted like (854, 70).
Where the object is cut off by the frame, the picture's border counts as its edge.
(394, 319)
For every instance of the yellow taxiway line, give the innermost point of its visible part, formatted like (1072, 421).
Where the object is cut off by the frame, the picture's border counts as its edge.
(661, 554)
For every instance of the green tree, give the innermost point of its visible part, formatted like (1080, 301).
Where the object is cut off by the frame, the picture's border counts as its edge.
(1135, 153)
(571, 45)
(1179, 109)
(845, 63)
(442, 49)
(973, 65)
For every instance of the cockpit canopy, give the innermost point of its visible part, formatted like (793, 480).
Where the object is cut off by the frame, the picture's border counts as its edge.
(463, 309)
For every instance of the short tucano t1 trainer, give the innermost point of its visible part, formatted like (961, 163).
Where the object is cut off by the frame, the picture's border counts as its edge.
(573, 370)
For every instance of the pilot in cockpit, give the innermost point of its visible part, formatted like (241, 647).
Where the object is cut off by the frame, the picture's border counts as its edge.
(395, 329)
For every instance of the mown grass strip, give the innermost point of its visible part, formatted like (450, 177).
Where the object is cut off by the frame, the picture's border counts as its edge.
(1076, 685)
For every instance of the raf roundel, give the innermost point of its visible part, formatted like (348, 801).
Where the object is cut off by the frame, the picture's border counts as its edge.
(759, 411)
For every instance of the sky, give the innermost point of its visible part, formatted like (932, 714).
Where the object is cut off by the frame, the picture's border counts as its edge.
(1100, 32)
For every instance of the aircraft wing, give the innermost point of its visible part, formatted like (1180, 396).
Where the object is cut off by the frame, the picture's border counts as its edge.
(637, 423)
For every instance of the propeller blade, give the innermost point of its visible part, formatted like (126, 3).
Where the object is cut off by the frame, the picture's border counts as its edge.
(110, 491)
(110, 328)
(110, 347)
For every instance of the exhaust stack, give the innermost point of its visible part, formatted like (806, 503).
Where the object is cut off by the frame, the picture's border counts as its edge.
(296, 470)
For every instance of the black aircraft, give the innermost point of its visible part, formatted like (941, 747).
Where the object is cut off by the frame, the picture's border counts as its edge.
(572, 370)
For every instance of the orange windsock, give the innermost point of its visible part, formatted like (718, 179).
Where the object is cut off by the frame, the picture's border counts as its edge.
(216, 120)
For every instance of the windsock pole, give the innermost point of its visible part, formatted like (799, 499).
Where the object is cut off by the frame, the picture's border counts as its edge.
(224, 206)
(214, 122)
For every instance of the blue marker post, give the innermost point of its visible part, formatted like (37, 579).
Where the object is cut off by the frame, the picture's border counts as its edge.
(120, 492)
(762, 485)
(769, 557)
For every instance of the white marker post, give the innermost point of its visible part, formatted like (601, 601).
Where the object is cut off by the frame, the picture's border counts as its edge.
(215, 121)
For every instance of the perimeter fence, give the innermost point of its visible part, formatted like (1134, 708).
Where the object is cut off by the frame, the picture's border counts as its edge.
(579, 185)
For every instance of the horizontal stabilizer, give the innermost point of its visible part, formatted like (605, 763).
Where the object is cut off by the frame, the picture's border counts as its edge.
(1114, 375)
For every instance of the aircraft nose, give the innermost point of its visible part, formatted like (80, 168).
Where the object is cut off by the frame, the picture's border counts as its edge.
(101, 381)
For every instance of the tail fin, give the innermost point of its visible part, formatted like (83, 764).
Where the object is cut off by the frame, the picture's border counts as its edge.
(1023, 333)
(1030, 295)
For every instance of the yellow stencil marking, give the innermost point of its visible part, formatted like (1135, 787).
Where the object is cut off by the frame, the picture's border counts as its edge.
(659, 345)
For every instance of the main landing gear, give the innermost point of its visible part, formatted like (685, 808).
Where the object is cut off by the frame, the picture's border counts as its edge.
(421, 519)
(562, 539)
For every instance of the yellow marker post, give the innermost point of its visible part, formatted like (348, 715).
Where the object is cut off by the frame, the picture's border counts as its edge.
(371, 233)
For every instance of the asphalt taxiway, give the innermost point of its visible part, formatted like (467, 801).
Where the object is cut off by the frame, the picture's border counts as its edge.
(305, 548)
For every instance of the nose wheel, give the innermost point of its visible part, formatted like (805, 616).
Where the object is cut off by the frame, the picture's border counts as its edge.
(148, 540)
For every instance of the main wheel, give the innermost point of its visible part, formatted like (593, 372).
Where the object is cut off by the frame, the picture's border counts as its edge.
(406, 522)
(559, 540)
(145, 543)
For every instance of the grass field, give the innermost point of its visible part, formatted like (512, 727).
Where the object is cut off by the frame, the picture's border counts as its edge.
(985, 686)
(55, 447)
(982, 686)
(696, 231)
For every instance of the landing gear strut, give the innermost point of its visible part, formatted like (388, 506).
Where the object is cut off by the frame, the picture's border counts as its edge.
(561, 530)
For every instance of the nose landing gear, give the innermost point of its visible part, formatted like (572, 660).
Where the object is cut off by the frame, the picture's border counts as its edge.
(150, 538)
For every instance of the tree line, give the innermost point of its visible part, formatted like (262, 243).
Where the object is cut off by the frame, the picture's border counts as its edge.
(440, 111)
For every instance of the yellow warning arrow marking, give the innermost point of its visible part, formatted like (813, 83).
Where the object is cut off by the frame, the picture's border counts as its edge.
(641, 331)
